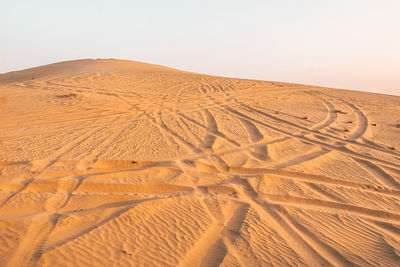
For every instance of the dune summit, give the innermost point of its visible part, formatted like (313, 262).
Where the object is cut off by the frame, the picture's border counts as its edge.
(120, 163)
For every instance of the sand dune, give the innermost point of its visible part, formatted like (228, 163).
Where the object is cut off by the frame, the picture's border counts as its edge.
(121, 163)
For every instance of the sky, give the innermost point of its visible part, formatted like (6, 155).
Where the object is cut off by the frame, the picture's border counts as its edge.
(350, 44)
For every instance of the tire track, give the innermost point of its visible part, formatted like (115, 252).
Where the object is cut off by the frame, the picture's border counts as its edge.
(306, 246)
(315, 142)
(333, 207)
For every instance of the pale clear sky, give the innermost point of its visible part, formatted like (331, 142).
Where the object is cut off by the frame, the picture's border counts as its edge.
(352, 44)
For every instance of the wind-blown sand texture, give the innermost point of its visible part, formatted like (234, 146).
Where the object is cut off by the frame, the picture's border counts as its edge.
(120, 163)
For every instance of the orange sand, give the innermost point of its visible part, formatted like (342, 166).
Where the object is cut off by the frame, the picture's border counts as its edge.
(120, 163)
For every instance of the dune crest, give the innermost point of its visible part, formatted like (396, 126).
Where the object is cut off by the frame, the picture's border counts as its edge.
(108, 162)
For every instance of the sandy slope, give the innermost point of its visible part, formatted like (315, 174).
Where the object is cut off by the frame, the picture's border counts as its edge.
(113, 163)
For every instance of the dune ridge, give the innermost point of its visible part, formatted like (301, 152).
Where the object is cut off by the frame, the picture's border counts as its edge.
(114, 162)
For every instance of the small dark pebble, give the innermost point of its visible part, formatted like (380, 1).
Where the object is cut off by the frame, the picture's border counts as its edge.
(373, 124)
(125, 252)
(66, 96)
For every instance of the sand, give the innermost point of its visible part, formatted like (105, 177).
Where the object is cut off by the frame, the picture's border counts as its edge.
(121, 163)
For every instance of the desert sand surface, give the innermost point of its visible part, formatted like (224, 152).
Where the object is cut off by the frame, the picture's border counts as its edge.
(121, 163)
